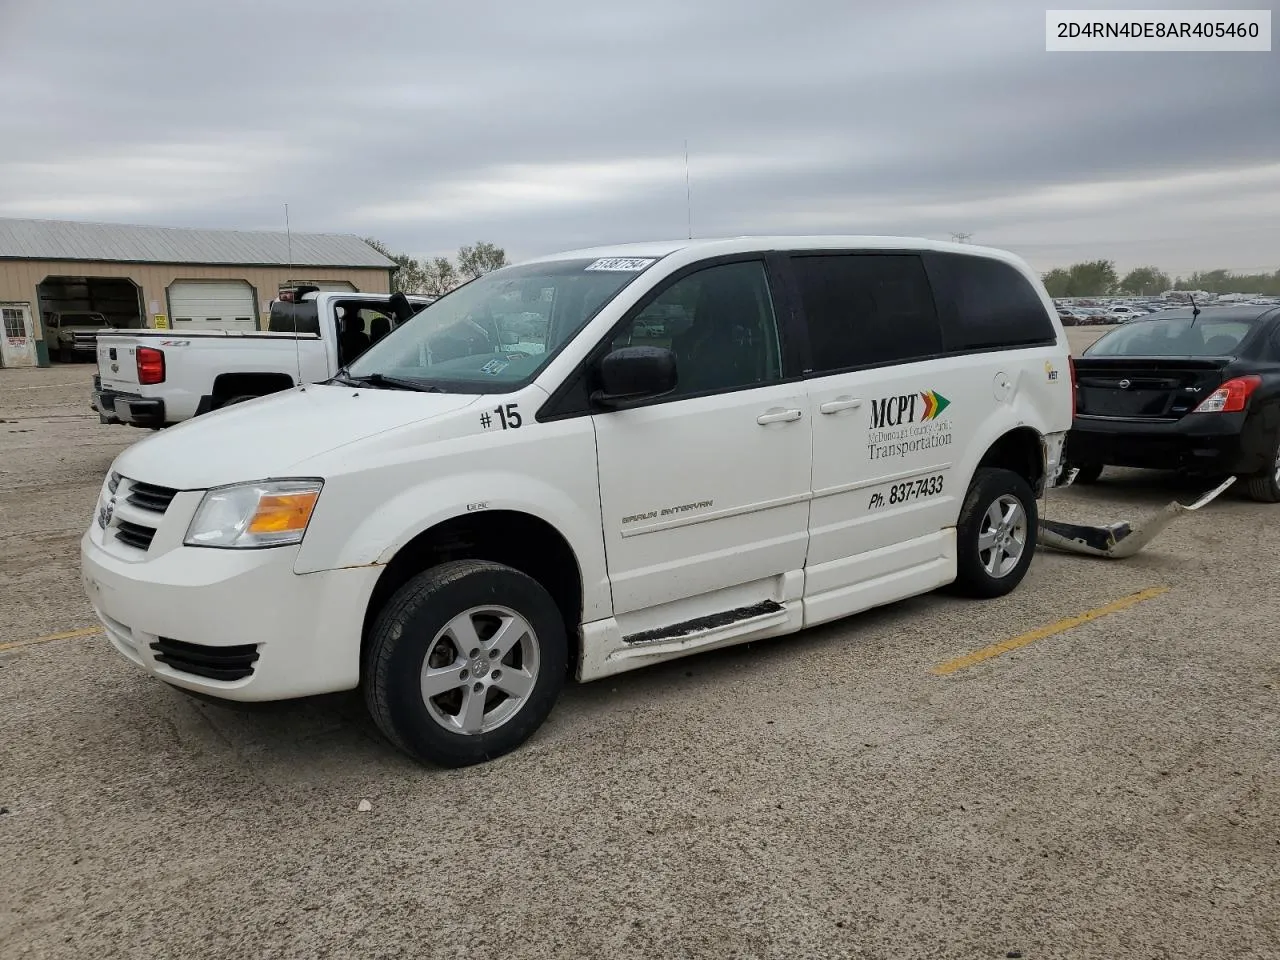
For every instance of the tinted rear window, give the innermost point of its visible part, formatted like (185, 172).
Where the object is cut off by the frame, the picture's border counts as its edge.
(289, 317)
(1173, 338)
(865, 309)
(986, 303)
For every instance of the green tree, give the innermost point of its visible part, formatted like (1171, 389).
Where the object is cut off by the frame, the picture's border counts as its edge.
(1058, 282)
(1092, 278)
(1224, 281)
(480, 259)
(441, 276)
(1098, 278)
(438, 275)
(409, 276)
(1145, 281)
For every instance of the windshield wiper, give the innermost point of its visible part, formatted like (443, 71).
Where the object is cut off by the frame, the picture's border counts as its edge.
(393, 383)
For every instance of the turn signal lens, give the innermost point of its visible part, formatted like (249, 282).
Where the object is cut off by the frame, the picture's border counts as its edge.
(1231, 397)
(283, 513)
(270, 513)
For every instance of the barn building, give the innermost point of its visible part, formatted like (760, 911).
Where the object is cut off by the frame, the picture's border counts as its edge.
(57, 275)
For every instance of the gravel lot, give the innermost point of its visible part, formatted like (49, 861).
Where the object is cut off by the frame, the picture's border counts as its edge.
(1109, 791)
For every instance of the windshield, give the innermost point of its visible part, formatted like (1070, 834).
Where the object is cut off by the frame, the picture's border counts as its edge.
(500, 329)
(1177, 337)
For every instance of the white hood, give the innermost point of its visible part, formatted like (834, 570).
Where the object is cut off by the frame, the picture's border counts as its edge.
(264, 438)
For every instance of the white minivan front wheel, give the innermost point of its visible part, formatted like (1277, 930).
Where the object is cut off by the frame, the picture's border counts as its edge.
(996, 533)
(465, 662)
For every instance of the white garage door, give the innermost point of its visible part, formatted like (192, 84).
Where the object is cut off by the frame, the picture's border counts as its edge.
(213, 305)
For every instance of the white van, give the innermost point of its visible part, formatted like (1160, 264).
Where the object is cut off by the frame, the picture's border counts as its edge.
(516, 487)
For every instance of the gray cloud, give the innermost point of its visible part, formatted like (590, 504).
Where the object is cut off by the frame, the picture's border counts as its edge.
(557, 124)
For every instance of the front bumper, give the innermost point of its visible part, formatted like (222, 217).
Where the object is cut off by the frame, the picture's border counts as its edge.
(116, 407)
(1212, 443)
(202, 619)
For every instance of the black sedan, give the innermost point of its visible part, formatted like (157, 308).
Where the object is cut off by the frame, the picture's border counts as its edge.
(1193, 390)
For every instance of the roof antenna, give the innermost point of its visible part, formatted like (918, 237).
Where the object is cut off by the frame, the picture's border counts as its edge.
(297, 347)
(688, 190)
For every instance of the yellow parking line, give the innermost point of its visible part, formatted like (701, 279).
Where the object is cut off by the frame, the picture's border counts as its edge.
(1014, 643)
(69, 635)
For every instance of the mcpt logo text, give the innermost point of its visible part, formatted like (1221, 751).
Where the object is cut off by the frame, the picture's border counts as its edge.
(907, 408)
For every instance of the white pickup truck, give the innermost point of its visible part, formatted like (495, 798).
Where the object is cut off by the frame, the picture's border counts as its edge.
(156, 378)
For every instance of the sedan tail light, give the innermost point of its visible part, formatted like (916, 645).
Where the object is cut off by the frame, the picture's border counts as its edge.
(1231, 397)
(150, 365)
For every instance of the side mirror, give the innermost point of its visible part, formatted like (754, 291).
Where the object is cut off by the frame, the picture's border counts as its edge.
(630, 375)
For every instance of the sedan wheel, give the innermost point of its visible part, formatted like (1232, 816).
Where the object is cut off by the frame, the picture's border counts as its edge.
(1265, 487)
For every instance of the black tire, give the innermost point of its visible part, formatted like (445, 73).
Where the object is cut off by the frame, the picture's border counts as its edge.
(989, 485)
(64, 355)
(402, 636)
(237, 399)
(1263, 487)
(1089, 472)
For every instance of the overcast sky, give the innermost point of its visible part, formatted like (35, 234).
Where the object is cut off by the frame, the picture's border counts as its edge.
(553, 124)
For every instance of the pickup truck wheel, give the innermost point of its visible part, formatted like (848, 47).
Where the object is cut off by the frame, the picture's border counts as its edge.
(64, 355)
(465, 662)
(1265, 486)
(238, 399)
(996, 534)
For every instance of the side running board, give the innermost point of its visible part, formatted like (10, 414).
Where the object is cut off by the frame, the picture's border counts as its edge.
(702, 631)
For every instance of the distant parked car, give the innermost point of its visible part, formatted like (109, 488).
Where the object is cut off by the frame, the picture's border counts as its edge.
(1091, 315)
(1198, 393)
(1125, 312)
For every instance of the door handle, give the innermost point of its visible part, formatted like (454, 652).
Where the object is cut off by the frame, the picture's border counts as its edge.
(840, 403)
(779, 416)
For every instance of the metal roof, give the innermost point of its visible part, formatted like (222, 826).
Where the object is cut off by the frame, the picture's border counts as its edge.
(127, 243)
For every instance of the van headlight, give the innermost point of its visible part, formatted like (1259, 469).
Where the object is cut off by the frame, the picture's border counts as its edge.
(269, 513)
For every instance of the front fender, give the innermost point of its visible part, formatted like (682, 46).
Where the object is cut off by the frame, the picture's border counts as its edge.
(383, 532)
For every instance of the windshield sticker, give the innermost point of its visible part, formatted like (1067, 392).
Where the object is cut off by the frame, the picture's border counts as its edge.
(495, 367)
(622, 264)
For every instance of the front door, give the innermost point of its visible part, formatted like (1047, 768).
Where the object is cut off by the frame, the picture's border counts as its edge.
(18, 344)
(705, 491)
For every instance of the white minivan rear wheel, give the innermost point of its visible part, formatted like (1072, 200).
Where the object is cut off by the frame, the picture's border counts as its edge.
(996, 533)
